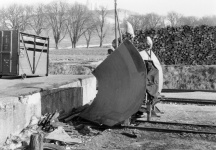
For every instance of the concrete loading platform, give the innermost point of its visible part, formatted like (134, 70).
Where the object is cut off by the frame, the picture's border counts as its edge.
(20, 99)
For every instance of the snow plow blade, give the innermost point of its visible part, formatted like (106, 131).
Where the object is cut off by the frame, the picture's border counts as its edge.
(121, 86)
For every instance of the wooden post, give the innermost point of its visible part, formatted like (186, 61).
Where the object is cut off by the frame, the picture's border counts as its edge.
(119, 27)
(116, 36)
(36, 141)
(149, 111)
(149, 108)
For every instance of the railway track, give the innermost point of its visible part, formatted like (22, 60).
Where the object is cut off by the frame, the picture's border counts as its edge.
(203, 129)
(188, 101)
(176, 123)
(170, 127)
(174, 127)
(169, 130)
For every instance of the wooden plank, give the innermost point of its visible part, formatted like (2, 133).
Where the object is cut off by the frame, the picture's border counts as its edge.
(15, 49)
(1, 47)
(36, 49)
(36, 43)
(36, 141)
(31, 35)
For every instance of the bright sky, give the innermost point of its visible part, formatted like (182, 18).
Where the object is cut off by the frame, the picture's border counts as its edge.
(186, 7)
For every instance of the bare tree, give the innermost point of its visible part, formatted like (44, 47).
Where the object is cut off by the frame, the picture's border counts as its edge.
(208, 20)
(143, 22)
(16, 17)
(78, 16)
(26, 17)
(38, 20)
(101, 24)
(2, 23)
(90, 29)
(191, 21)
(174, 18)
(56, 17)
(153, 20)
(137, 21)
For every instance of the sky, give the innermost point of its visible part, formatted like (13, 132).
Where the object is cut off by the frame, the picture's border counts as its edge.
(197, 8)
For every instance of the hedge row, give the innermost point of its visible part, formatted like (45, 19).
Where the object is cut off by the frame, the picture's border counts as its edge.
(185, 45)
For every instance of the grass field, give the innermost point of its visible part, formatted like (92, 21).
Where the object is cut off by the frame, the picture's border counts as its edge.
(74, 61)
(66, 43)
(78, 55)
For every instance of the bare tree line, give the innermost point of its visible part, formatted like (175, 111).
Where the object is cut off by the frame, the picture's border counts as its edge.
(153, 20)
(76, 20)
(61, 18)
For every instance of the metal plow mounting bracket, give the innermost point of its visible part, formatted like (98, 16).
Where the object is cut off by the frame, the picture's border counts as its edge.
(121, 86)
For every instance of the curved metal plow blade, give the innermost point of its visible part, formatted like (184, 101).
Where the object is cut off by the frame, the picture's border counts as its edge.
(121, 86)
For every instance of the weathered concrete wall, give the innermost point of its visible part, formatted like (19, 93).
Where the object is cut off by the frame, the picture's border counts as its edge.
(16, 113)
(61, 99)
(89, 88)
(190, 77)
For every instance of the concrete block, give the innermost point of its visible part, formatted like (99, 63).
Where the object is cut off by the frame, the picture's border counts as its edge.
(89, 88)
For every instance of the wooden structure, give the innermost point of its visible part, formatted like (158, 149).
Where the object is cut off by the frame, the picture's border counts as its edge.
(23, 54)
(36, 141)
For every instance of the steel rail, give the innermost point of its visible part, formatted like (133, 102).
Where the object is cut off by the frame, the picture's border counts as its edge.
(184, 90)
(169, 130)
(177, 123)
(189, 101)
(154, 129)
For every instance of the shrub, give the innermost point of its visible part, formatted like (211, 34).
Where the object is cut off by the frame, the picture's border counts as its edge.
(185, 45)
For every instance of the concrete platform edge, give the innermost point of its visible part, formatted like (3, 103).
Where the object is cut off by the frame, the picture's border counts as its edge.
(16, 112)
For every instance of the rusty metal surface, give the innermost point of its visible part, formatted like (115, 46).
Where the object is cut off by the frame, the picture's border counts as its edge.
(121, 86)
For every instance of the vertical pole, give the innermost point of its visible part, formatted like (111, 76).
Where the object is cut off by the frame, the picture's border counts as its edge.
(148, 107)
(18, 53)
(1, 43)
(119, 27)
(149, 110)
(34, 55)
(47, 57)
(11, 49)
(116, 37)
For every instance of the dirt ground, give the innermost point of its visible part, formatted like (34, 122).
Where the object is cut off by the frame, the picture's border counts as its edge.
(133, 139)
(115, 139)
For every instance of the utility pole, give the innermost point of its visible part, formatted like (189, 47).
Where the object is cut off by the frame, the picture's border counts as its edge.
(116, 36)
